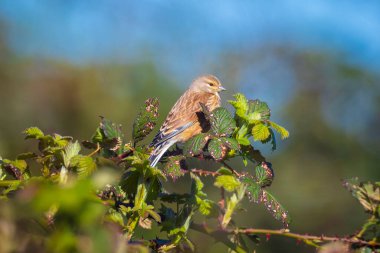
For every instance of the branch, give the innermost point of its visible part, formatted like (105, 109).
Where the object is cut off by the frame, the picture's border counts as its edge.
(308, 239)
(201, 172)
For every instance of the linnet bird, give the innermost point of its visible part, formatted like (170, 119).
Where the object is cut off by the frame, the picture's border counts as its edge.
(183, 120)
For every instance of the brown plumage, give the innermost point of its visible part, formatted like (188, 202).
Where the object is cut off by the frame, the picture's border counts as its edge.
(183, 120)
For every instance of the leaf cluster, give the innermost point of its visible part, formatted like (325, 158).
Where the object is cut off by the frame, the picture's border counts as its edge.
(104, 187)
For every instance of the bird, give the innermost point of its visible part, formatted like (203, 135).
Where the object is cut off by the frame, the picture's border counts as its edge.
(184, 120)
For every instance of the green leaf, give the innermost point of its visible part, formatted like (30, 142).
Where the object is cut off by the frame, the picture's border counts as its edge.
(224, 171)
(228, 182)
(172, 167)
(275, 208)
(33, 133)
(140, 197)
(98, 136)
(71, 150)
(252, 154)
(84, 165)
(264, 174)
(195, 145)
(217, 149)
(197, 184)
(110, 129)
(367, 193)
(260, 132)
(242, 136)
(146, 120)
(154, 215)
(253, 189)
(222, 123)
(231, 205)
(231, 143)
(281, 130)
(240, 105)
(257, 111)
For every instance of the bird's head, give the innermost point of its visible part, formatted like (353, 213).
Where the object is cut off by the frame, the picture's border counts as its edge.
(207, 83)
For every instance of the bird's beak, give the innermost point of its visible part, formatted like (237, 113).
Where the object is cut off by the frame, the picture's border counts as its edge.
(221, 88)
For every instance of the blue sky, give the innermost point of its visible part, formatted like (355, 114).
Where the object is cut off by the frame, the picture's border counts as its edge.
(82, 31)
(184, 37)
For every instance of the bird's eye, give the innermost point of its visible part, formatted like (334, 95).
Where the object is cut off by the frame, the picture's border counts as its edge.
(211, 84)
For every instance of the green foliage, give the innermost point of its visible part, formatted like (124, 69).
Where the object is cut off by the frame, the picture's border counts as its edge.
(228, 182)
(196, 144)
(106, 191)
(145, 120)
(253, 118)
(368, 194)
(222, 123)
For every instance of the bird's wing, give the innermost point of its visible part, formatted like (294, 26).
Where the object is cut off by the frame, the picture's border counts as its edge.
(181, 116)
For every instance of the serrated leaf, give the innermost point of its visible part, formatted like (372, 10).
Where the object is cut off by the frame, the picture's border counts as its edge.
(253, 189)
(222, 122)
(281, 130)
(115, 217)
(205, 205)
(172, 167)
(197, 184)
(240, 105)
(71, 150)
(275, 208)
(61, 141)
(110, 129)
(33, 133)
(98, 136)
(217, 150)
(260, 132)
(231, 143)
(367, 193)
(248, 152)
(195, 145)
(257, 110)
(242, 135)
(84, 165)
(146, 120)
(228, 182)
(264, 174)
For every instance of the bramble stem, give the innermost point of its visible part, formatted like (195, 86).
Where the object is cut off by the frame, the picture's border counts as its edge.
(312, 240)
(96, 150)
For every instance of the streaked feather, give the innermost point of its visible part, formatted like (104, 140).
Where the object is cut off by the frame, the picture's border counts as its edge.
(182, 121)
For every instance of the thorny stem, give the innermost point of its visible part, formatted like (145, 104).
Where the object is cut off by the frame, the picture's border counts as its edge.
(312, 240)
(230, 168)
(96, 150)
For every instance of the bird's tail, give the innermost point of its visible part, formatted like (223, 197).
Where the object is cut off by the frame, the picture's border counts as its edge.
(159, 151)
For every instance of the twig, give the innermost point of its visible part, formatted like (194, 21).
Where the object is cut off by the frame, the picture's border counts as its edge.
(201, 172)
(231, 169)
(305, 238)
(312, 240)
(96, 150)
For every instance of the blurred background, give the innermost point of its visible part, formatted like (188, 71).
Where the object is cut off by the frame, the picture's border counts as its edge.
(316, 63)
